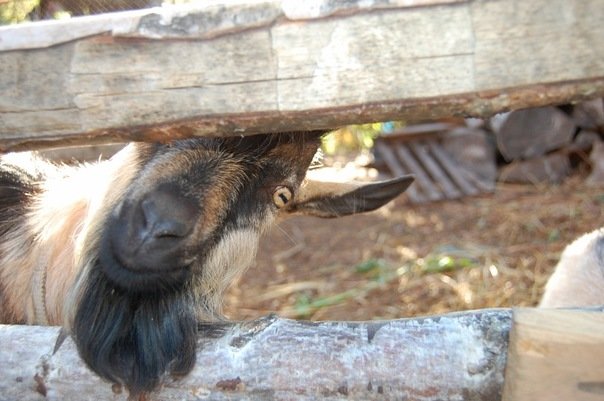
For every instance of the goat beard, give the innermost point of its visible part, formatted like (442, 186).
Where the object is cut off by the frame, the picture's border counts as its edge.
(134, 339)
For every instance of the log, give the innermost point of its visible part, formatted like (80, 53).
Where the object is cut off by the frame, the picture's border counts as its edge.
(584, 141)
(589, 115)
(524, 134)
(280, 65)
(596, 157)
(551, 168)
(449, 357)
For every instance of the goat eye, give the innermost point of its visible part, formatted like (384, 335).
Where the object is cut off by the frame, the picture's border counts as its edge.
(281, 196)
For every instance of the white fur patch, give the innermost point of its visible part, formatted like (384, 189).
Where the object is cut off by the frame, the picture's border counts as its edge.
(579, 276)
(228, 260)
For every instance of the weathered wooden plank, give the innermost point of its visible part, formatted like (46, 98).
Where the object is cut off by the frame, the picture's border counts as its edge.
(455, 356)
(423, 180)
(471, 149)
(471, 178)
(436, 171)
(523, 42)
(270, 66)
(207, 82)
(192, 21)
(459, 174)
(555, 355)
(340, 64)
(395, 166)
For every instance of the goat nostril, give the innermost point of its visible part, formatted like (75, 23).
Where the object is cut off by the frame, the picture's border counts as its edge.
(152, 232)
(168, 229)
(166, 216)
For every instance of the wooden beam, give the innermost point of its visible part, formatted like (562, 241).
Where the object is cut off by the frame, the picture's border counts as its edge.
(556, 355)
(281, 65)
(542, 354)
(455, 356)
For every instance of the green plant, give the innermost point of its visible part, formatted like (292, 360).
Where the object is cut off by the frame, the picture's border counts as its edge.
(14, 11)
(356, 137)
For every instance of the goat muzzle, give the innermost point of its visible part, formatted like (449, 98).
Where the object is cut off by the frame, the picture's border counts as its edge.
(146, 242)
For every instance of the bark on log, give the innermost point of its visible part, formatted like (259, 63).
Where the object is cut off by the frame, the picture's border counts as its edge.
(450, 357)
(281, 65)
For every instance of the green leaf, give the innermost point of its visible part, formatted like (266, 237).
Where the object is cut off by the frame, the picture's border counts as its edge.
(445, 263)
(369, 265)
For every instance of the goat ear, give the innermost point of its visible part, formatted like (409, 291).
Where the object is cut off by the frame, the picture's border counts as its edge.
(333, 199)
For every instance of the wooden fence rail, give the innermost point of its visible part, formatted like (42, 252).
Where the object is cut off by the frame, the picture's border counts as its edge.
(273, 66)
(277, 65)
(459, 356)
(553, 354)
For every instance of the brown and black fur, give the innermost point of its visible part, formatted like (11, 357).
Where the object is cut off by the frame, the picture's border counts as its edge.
(17, 187)
(138, 250)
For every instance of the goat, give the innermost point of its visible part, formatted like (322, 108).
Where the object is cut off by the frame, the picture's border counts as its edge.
(130, 254)
(578, 279)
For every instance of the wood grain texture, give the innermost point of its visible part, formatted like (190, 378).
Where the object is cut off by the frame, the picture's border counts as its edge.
(555, 355)
(273, 66)
(456, 356)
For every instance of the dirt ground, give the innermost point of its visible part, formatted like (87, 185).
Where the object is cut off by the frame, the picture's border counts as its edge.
(406, 260)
